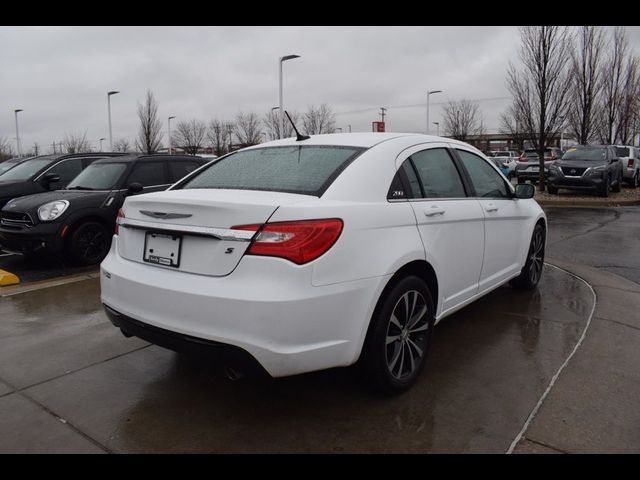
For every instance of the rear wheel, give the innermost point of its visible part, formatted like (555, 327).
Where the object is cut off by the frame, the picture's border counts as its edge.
(399, 339)
(89, 243)
(634, 181)
(532, 271)
(552, 190)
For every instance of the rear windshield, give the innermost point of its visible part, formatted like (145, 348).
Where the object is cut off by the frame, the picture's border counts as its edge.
(308, 170)
(622, 151)
(98, 176)
(25, 170)
(585, 154)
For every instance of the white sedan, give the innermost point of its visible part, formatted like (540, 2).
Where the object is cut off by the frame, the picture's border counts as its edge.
(338, 249)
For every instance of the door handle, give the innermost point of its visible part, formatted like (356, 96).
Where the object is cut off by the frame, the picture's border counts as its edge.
(491, 208)
(434, 210)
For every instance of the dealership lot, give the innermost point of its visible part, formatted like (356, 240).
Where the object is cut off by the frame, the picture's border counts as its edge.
(69, 381)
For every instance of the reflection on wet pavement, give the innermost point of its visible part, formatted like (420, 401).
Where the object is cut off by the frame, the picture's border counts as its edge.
(489, 364)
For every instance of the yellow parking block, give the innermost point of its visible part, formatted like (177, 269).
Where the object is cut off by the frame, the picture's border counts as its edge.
(8, 278)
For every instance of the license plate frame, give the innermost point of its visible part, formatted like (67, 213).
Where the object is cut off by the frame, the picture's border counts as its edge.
(162, 252)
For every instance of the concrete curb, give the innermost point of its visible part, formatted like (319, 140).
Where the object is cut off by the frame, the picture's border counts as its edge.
(586, 203)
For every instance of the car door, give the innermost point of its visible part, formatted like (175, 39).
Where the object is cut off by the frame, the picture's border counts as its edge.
(505, 220)
(451, 224)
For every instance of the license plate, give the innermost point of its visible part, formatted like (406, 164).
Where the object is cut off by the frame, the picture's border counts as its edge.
(162, 249)
(534, 169)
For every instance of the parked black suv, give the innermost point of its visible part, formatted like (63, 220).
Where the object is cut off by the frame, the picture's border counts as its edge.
(587, 167)
(46, 172)
(79, 221)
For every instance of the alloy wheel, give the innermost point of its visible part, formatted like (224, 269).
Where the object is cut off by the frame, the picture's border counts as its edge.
(91, 243)
(536, 258)
(406, 335)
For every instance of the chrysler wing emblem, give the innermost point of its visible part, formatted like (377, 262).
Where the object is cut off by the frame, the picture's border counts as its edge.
(166, 215)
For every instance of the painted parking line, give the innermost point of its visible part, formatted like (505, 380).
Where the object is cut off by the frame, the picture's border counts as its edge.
(8, 278)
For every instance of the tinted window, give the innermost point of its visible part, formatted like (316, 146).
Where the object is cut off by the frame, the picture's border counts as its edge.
(397, 190)
(438, 174)
(67, 169)
(99, 176)
(298, 169)
(180, 169)
(148, 174)
(622, 151)
(486, 181)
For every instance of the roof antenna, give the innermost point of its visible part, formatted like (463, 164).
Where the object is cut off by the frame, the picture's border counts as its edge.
(299, 137)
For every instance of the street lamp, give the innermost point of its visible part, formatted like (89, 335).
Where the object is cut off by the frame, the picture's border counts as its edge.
(113, 92)
(18, 134)
(437, 124)
(349, 128)
(429, 93)
(169, 122)
(101, 143)
(283, 59)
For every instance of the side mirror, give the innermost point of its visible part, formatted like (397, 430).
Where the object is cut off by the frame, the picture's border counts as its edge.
(49, 178)
(134, 188)
(525, 190)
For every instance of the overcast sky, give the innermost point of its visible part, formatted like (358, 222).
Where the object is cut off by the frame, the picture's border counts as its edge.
(60, 75)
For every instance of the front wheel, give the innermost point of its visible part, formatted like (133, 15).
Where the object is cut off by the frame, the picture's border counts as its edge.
(552, 190)
(618, 184)
(89, 244)
(399, 339)
(532, 271)
(606, 188)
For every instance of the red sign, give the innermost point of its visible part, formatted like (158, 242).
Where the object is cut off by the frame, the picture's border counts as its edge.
(377, 126)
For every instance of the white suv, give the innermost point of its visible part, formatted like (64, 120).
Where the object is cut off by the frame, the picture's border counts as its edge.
(629, 157)
(306, 255)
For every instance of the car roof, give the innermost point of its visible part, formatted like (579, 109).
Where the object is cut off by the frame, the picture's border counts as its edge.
(149, 158)
(356, 139)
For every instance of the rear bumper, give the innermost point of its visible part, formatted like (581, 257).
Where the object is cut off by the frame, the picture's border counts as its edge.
(266, 307)
(39, 238)
(628, 173)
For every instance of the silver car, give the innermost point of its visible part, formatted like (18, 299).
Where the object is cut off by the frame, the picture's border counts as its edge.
(630, 164)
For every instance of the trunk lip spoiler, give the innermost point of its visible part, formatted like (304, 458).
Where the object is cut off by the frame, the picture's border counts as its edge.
(219, 233)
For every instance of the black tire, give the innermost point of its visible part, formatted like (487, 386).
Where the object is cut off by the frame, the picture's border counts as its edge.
(618, 185)
(634, 181)
(88, 244)
(532, 271)
(552, 190)
(383, 362)
(606, 188)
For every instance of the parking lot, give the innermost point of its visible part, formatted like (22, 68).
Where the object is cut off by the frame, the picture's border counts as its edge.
(70, 382)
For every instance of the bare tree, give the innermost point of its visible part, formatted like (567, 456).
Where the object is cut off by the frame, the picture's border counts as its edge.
(461, 119)
(319, 120)
(122, 145)
(247, 129)
(627, 116)
(75, 142)
(541, 86)
(150, 133)
(190, 135)
(271, 121)
(218, 135)
(586, 69)
(5, 149)
(511, 123)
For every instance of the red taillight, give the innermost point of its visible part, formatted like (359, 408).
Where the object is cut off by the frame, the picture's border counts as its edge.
(120, 215)
(523, 158)
(301, 241)
(630, 165)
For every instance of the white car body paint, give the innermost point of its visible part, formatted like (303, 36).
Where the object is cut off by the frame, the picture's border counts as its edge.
(299, 318)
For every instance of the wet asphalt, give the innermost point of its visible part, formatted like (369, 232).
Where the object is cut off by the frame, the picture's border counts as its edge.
(70, 382)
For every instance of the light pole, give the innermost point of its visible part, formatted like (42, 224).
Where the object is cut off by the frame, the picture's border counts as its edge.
(281, 60)
(437, 124)
(101, 143)
(113, 92)
(429, 93)
(17, 133)
(169, 122)
(349, 128)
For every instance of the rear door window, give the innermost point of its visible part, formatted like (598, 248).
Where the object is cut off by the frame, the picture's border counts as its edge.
(438, 174)
(148, 174)
(180, 169)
